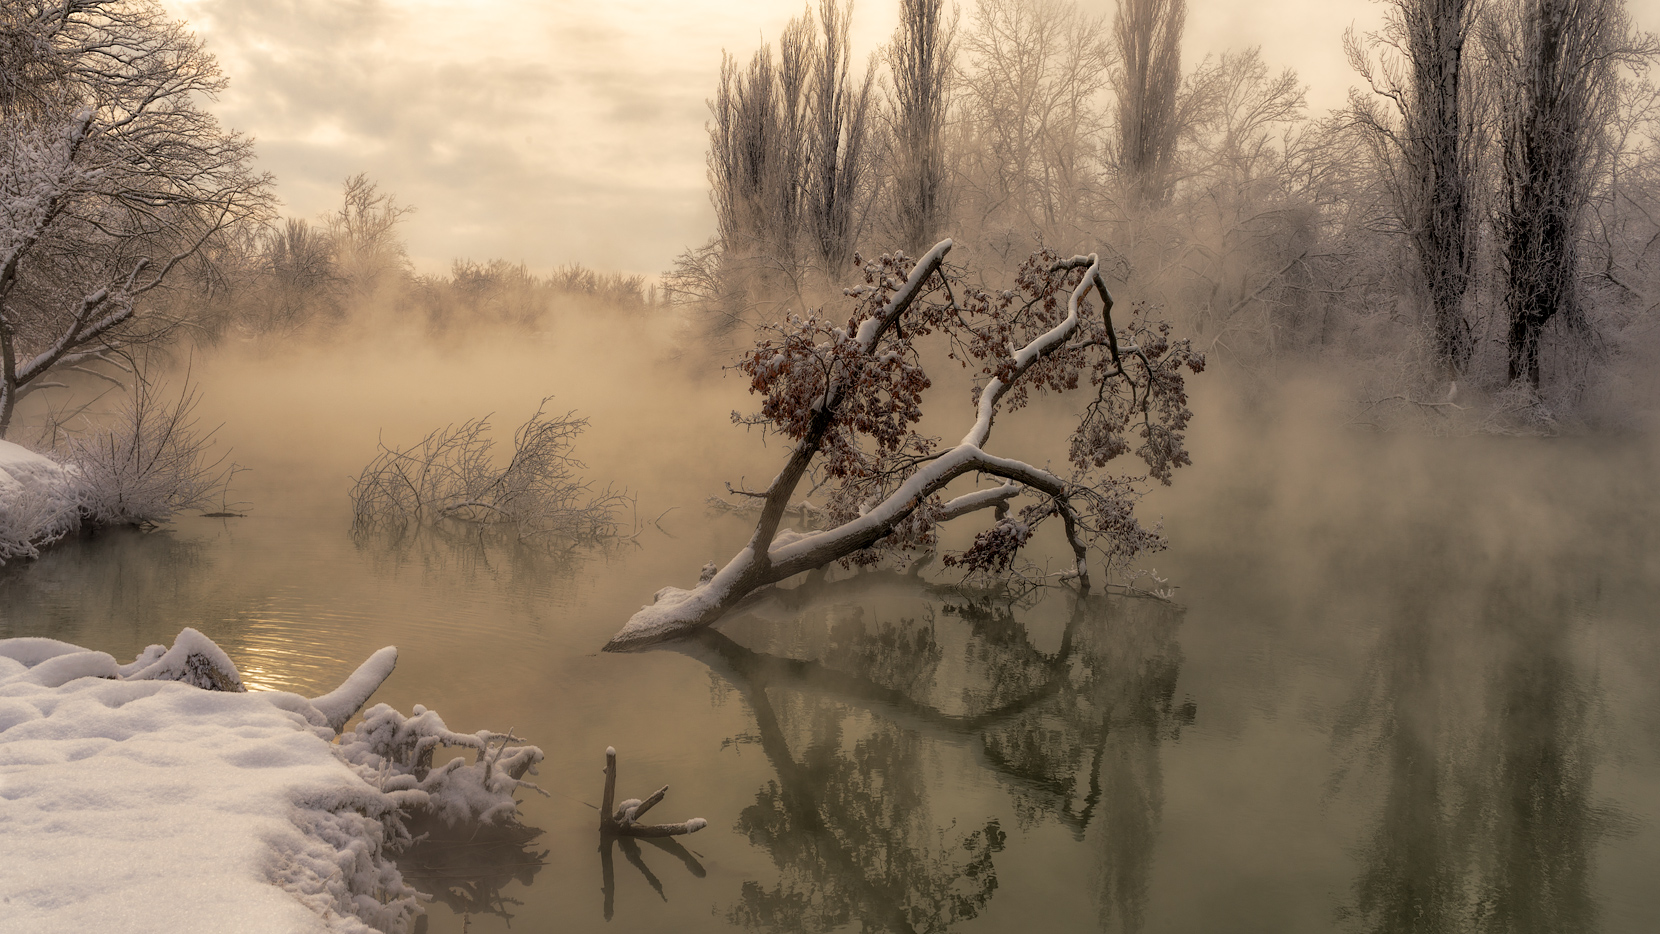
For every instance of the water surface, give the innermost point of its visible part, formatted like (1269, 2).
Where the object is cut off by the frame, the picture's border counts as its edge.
(1406, 684)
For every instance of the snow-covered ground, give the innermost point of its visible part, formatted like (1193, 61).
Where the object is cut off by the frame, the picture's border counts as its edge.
(39, 501)
(159, 796)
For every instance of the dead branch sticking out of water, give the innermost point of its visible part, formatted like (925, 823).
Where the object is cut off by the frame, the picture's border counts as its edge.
(623, 820)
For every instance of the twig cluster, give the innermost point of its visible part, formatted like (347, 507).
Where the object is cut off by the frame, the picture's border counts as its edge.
(453, 476)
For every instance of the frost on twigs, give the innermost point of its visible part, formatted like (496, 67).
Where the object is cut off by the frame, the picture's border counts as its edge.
(452, 478)
(150, 462)
(847, 388)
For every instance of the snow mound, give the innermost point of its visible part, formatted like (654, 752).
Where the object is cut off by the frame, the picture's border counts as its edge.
(39, 501)
(133, 800)
(193, 659)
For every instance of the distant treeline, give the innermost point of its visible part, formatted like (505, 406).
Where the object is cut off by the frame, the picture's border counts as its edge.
(1485, 211)
(292, 275)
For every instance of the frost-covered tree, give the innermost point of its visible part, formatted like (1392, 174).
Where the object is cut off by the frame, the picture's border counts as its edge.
(788, 160)
(366, 251)
(848, 393)
(838, 138)
(1148, 81)
(920, 60)
(111, 176)
(1426, 139)
(1556, 66)
(1030, 91)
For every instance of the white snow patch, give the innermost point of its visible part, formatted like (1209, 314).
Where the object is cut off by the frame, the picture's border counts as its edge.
(39, 501)
(133, 800)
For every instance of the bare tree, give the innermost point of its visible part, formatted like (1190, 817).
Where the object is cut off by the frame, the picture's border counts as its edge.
(849, 394)
(1148, 79)
(1248, 224)
(367, 253)
(1428, 149)
(295, 279)
(1556, 65)
(920, 60)
(838, 138)
(788, 155)
(1626, 231)
(110, 177)
(1031, 113)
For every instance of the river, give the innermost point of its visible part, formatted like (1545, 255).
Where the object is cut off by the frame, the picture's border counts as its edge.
(1406, 683)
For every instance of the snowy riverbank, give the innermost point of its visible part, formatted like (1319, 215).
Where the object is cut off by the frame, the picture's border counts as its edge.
(39, 501)
(160, 796)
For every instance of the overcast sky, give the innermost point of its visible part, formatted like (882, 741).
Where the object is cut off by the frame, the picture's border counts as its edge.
(552, 131)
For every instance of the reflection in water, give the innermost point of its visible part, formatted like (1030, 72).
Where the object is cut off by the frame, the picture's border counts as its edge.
(114, 574)
(468, 875)
(471, 553)
(631, 851)
(1486, 746)
(1093, 748)
(1072, 734)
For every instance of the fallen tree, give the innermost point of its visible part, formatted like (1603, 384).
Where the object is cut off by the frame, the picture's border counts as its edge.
(849, 396)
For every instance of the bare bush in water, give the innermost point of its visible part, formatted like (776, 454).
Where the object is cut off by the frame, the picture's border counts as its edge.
(452, 476)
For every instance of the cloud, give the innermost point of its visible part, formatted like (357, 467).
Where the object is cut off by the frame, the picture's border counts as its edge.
(568, 130)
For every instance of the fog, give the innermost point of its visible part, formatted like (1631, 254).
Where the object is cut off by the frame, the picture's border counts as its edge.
(1387, 667)
(1382, 640)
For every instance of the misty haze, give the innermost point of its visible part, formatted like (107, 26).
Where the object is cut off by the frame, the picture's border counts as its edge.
(1076, 465)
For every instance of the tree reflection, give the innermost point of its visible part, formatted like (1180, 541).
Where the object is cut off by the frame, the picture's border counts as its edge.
(1484, 739)
(526, 570)
(852, 717)
(631, 852)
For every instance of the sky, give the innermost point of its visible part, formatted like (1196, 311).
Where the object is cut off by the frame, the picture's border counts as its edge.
(556, 131)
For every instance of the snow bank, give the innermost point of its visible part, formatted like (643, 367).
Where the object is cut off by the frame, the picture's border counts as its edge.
(131, 799)
(39, 501)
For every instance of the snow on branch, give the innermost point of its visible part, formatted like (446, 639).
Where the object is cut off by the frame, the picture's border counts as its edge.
(848, 392)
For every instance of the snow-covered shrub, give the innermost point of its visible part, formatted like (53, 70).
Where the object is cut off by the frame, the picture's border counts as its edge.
(153, 461)
(452, 476)
(38, 502)
(395, 753)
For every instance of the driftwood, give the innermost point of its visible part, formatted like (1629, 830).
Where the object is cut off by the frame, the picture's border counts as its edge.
(624, 819)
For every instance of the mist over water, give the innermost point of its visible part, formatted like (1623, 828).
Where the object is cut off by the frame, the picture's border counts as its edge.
(1406, 683)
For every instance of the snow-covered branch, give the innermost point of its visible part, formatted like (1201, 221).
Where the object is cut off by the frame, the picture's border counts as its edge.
(110, 177)
(849, 395)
